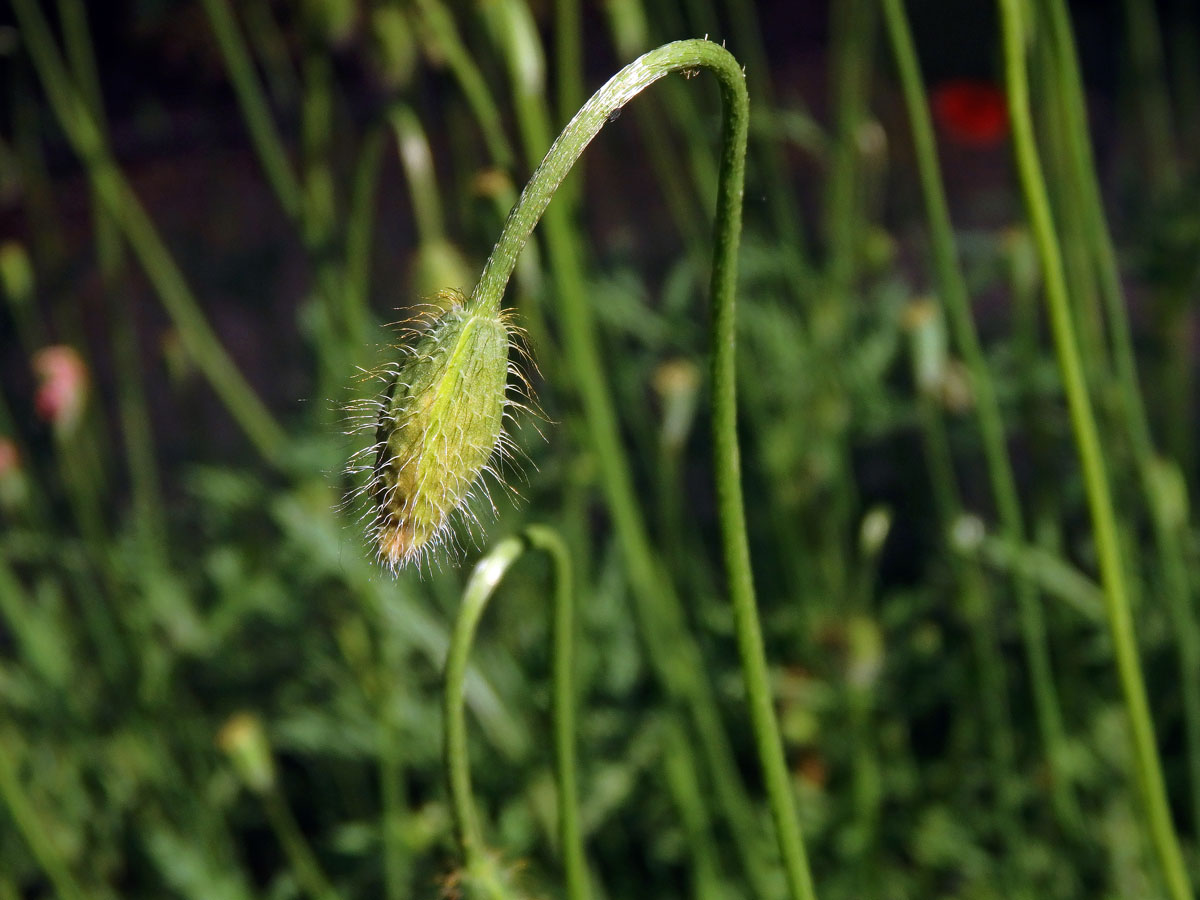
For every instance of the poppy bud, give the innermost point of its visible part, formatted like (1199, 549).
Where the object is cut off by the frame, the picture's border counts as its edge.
(438, 423)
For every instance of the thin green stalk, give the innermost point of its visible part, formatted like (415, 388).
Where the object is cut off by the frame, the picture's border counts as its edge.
(318, 223)
(852, 26)
(568, 57)
(1183, 36)
(270, 44)
(631, 38)
(307, 199)
(681, 775)
(684, 203)
(979, 612)
(1151, 106)
(1087, 439)
(256, 111)
(197, 336)
(359, 231)
(384, 683)
(1001, 477)
(1062, 181)
(1170, 537)
(46, 225)
(478, 863)
(441, 25)
(682, 56)
(1152, 99)
(141, 459)
(311, 879)
(419, 174)
(25, 817)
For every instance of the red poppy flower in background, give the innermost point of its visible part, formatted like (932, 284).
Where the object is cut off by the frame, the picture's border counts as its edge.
(972, 113)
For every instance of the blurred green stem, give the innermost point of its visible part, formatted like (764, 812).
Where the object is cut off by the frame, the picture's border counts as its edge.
(307, 199)
(570, 836)
(954, 296)
(419, 174)
(138, 437)
(1116, 591)
(256, 111)
(440, 23)
(194, 331)
(26, 818)
(308, 871)
(978, 610)
(1170, 536)
(681, 774)
(359, 231)
(1151, 99)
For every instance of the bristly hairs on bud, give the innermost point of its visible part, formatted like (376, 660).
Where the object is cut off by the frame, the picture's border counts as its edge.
(437, 421)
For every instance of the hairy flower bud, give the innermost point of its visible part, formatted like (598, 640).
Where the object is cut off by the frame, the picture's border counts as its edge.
(438, 423)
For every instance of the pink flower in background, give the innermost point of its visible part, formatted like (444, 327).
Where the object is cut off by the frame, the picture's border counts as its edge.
(63, 386)
(971, 112)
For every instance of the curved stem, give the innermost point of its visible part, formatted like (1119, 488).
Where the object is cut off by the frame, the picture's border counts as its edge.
(661, 618)
(479, 590)
(1087, 439)
(681, 56)
(686, 57)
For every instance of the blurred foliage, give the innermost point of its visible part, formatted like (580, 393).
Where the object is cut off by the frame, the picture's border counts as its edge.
(210, 691)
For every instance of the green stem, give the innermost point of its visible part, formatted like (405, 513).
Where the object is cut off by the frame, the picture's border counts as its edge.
(308, 871)
(568, 44)
(255, 109)
(681, 775)
(441, 25)
(479, 591)
(417, 160)
(978, 610)
(307, 199)
(138, 435)
(1170, 537)
(197, 336)
(359, 232)
(1087, 439)
(28, 822)
(953, 288)
(1152, 99)
(682, 56)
